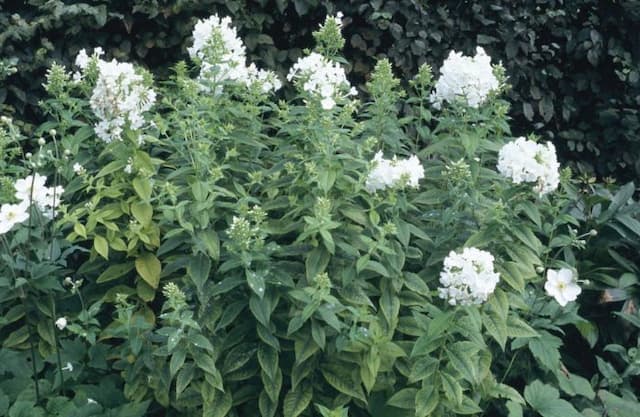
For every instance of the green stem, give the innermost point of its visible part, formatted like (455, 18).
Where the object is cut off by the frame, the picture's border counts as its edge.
(57, 344)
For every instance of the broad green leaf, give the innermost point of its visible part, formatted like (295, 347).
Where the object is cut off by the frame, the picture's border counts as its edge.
(198, 269)
(142, 212)
(211, 242)
(268, 359)
(216, 403)
(546, 400)
(115, 271)
(405, 398)
(517, 327)
(468, 406)
(316, 262)
(515, 409)
(142, 187)
(149, 268)
(463, 359)
(101, 246)
(426, 401)
(545, 350)
(575, 385)
(343, 383)
(296, 401)
(267, 407)
(452, 389)
(616, 406)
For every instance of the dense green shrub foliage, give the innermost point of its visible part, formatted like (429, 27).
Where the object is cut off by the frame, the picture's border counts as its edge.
(227, 253)
(573, 64)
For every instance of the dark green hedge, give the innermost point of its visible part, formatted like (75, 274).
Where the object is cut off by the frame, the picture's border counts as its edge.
(574, 64)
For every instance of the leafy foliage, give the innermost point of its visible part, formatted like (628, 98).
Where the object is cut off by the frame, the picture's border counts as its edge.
(227, 259)
(574, 75)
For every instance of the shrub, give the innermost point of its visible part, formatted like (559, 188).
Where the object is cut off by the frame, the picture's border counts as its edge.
(226, 253)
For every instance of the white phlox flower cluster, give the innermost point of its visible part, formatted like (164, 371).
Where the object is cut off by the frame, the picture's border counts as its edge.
(470, 79)
(526, 161)
(394, 172)
(32, 189)
(322, 78)
(120, 96)
(468, 277)
(222, 56)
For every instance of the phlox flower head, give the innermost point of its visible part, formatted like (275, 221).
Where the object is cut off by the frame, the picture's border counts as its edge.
(321, 78)
(120, 97)
(222, 56)
(388, 173)
(469, 79)
(562, 285)
(526, 161)
(468, 277)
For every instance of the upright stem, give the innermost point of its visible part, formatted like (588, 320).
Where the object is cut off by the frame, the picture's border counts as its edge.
(57, 344)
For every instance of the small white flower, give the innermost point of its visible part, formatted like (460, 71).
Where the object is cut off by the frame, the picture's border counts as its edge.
(61, 323)
(68, 367)
(41, 141)
(562, 285)
(78, 168)
(91, 401)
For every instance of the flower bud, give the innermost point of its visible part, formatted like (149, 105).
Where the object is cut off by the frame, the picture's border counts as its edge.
(41, 141)
(61, 323)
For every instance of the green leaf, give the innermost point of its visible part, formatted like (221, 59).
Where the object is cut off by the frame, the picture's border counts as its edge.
(517, 327)
(545, 350)
(211, 242)
(115, 271)
(142, 212)
(316, 262)
(546, 400)
(462, 356)
(198, 270)
(142, 187)
(343, 383)
(616, 406)
(216, 403)
(405, 398)
(426, 401)
(468, 406)
(101, 246)
(622, 196)
(575, 385)
(268, 360)
(452, 389)
(149, 268)
(515, 409)
(296, 401)
(267, 406)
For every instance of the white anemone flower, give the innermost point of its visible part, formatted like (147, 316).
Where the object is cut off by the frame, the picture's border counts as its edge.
(562, 285)
(12, 214)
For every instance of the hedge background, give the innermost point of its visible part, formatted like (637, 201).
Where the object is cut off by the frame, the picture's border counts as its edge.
(574, 65)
